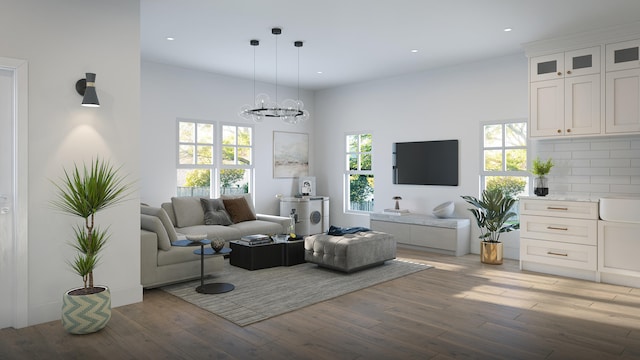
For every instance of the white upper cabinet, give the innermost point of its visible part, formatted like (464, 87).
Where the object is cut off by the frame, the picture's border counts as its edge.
(623, 55)
(566, 64)
(622, 88)
(565, 94)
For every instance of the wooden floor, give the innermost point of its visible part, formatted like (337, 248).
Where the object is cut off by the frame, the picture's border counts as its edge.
(460, 309)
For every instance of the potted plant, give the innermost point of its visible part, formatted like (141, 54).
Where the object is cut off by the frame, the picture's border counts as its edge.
(540, 169)
(492, 213)
(83, 192)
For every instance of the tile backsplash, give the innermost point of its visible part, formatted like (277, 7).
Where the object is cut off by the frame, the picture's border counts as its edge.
(592, 167)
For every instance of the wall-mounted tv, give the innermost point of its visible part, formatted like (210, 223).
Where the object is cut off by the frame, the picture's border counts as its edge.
(426, 163)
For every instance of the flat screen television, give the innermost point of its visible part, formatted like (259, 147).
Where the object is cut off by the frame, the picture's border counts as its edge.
(426, 163)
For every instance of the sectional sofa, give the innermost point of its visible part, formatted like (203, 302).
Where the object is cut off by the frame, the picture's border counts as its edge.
(228, 217)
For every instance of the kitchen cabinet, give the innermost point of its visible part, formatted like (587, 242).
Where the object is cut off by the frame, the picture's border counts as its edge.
(565, 94)
(622, 87)
(559, 237)
(618, 253)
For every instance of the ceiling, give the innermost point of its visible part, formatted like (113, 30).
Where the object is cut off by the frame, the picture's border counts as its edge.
(351, 41)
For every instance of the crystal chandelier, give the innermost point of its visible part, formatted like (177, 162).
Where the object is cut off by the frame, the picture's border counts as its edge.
(290, 111)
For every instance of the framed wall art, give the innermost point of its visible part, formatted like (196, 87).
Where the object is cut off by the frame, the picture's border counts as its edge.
(290, 154)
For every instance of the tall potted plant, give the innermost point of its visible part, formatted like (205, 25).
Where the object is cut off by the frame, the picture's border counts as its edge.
(83, 192)
(492, 213)
(540, 170)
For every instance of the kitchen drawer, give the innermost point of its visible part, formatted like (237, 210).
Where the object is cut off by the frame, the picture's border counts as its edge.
(576, 231)
(557, 208)
(575, 256)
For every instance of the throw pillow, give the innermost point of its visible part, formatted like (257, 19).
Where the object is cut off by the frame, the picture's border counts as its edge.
(238, 209)
(153, 224)
(188, 211)
(164, 218)
(214, 212)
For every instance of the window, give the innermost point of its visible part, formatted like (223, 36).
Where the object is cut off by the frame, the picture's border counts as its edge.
(504, 157)
(199, 166)
(236, 169)
(359, 173)
(195, 158)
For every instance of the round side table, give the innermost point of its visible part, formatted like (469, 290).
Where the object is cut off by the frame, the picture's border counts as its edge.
(211, 288)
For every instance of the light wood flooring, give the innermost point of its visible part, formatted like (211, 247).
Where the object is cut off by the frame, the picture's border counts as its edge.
(459, 309)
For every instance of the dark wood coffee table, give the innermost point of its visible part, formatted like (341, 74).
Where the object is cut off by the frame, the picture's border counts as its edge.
(255, 257)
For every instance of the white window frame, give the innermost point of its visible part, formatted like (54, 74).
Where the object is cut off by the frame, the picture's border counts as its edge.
(348, 172)
(216, 164)
(516, 173)
(250, 167)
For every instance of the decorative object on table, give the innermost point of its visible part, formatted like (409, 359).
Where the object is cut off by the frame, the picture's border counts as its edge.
(307, 185)
(290, 111)
(540, 169)
(196, 237)
(217, 243)
(444, 210)
(290, 154)
(397, 199)
(83, 192)
(280, 238)
(492, 213)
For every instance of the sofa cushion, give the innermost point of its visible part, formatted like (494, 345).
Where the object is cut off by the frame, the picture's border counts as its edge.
(153, 224)
(247, 197)
(239, 209)
(214, 212)
(188, 211)
(164, 218)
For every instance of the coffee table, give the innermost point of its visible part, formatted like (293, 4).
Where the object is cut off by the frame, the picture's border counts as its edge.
(255, 257)
(211, 288)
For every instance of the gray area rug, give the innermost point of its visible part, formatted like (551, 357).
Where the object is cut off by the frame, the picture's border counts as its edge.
(261, 294)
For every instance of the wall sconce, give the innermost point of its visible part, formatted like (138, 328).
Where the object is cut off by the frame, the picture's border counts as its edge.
(87, 88)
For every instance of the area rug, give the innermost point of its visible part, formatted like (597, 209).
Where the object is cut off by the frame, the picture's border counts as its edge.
(262, 294)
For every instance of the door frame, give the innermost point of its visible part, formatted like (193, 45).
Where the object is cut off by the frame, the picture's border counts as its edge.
(20, 264)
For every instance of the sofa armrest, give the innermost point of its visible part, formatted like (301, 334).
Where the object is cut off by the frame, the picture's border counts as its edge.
(148, 256)
(282, 220)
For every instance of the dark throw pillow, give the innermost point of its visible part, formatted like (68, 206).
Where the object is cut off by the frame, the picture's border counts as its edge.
(214, 212)
(238, 209)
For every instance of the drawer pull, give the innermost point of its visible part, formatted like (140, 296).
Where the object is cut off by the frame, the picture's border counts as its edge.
(555, 253)
(557, 208)
(557, 228)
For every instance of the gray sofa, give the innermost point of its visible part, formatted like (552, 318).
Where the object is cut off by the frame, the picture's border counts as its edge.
(162, 263)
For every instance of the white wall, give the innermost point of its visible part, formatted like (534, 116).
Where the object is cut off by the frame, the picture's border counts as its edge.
(169, 93)
(61, 40)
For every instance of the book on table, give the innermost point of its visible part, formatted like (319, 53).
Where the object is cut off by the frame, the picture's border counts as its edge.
(255, 239)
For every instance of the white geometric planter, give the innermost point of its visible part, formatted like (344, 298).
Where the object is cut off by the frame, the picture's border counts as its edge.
(85, 314)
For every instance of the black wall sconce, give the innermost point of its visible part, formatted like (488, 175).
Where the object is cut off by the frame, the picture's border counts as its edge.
(87, 88)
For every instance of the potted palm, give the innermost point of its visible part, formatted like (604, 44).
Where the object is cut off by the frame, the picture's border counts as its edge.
(540, 170)
(83, 192)
(492, 213)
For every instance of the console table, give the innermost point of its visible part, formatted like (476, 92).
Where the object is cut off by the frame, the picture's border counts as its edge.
(426, 232)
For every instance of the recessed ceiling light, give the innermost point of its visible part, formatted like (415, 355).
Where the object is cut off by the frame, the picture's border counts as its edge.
(170, 38)
(507, 29)
(414, 50)
(318, 72)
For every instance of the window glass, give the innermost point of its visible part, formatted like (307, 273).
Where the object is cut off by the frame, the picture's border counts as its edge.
(359, 177)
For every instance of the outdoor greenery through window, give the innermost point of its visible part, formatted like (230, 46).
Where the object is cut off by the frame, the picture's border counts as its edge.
(359, 174)
(504, 158)
(199, 167)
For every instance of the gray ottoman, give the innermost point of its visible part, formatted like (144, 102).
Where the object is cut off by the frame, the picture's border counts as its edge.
(350, 252)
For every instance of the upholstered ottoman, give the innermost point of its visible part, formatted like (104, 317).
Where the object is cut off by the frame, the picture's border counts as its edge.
(350, 252)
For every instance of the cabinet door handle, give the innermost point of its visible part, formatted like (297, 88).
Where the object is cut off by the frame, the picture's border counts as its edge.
(557, 208)
(557, 228)
(559, 73)
(556, 253)
(559, 131)
(568, 72)
(568, 130)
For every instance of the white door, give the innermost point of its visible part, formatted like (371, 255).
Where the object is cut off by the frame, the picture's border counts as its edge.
(13, 194)
(7, 237)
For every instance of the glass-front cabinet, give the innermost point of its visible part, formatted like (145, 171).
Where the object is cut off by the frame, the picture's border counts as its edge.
(566, 64)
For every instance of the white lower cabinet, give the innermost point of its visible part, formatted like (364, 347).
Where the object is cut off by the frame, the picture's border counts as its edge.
(559, 237)
(619, 246)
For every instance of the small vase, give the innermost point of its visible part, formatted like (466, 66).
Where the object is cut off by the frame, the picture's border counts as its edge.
(540, 186)
(217, 244)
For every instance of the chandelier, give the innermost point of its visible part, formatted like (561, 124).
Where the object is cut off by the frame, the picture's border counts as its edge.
(290, 111)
